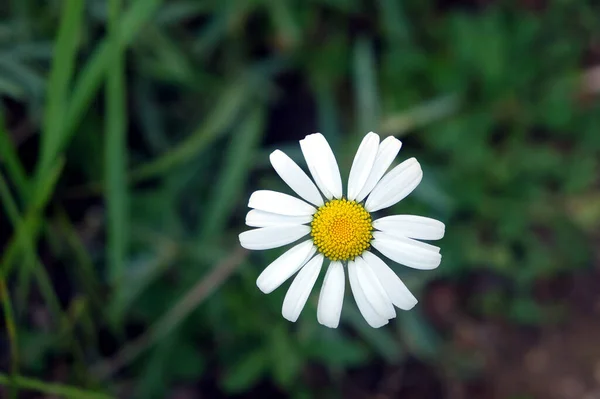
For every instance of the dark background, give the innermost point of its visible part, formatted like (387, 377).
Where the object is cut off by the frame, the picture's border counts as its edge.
(134, 133)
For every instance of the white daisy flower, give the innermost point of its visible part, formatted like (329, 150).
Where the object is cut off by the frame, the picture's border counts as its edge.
(342, 230)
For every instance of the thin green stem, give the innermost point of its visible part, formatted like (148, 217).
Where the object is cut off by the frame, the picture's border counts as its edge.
(115, 151)
(63, 391)
(11, 329)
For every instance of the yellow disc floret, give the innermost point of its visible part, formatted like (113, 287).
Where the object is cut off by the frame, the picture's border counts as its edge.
(341, 229)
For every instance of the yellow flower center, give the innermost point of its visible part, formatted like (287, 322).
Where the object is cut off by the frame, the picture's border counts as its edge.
(341, 229)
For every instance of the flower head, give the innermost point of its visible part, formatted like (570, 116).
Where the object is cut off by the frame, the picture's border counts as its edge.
(342, 230)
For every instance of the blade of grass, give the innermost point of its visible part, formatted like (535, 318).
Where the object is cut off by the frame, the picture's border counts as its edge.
(237, 164)
(115, 153)
(30, 82)
(27, 228)
(11, 329)
(12, 211)
(32, 264)
(61, 74)
(220, 119)
(90, 79)
(365, 86)
(394, 21)
(422, 114)
(84, 267)
(63, 391)
(327, 113)
(10, 158)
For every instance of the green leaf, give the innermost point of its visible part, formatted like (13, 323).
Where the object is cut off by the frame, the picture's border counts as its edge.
(246, 372)
(286, 360)
(379, 339)
(421, 338)
(334, 349)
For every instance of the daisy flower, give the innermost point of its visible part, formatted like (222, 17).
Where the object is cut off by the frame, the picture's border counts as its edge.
(342, 230)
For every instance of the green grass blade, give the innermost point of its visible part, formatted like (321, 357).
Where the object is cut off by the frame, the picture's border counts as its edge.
(61, 73)
(22, 240)
(84, 266)
(91, 76)
(11, 330)
(115, 153)
(394, 21)
(63, 391)
(365, 86)
(28, 228)
(236, 167)
(10, 158)
(420, 115)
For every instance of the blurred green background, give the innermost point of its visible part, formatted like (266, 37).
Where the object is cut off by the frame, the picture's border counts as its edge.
(133, 132)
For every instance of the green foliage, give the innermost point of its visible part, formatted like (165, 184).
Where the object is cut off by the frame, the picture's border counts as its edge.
(152, 121)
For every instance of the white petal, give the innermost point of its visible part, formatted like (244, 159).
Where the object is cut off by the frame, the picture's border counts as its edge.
(280, 203)
(396, 185)
(388, 149)
(272, 237)
(362, 164)
(407, 251)
(295, 177)
(256, 218)
(371, 316)
(412, 226)
(331, 298)
(315, 175)
(322, 164)
(298, 293)
(285, 266)
(398, 293)
(374, 291)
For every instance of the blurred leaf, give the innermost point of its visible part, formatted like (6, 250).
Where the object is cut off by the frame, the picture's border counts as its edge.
(188, 362)
(246, 372)
(526, 311)
(21, 79)
(426, 113)
(286, 362)
(380, 340)
(282, 16)
(139, 275)
(336, 350)
(419, 335)
(394, 21)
